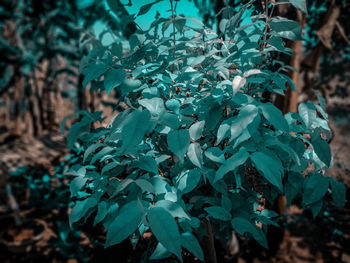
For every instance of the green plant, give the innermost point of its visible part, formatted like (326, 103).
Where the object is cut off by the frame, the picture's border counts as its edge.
(46, 194)
(198, 141)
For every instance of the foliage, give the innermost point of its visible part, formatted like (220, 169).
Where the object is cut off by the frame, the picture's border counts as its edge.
(198, 140)
(48, 193)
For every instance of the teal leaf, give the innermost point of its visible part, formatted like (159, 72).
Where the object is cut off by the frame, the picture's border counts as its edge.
(154, 105)
(145, 8)
(244, 118)
(215, 154)
(270, 168)
(321, 147)
(134, 128)
(101, 212)
(307, 113)
(190, 242)
(76, 185)
(286, 28)
(80, 209)
(218, 213)
(173, 208)
(188, 180)
(242, 225)
(173, 105)
(192, 61)
(160, 252)
(196, 130)
(232, 163)
(223, 131)
(124, 224)
(299, 4)
(315, 187)
(195, 154)
(338, 193)
(178, 142)
(148, 163)
(293, 186)
(145, 185)
(92, 148)
(113, 78)
(165, 229)
(274, 116)
(93, 71)
(315, 207)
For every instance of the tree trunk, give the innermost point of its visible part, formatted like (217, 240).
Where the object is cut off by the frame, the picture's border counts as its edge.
(291, 99)
(208, 243)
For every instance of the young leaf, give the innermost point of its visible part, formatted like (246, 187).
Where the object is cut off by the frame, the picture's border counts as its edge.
(173, 208)
(315, 188)
(215, 154)
(160, 252)
(196, 130)
(321, 147)
(188, 180)
(178, 142)
(218, 213)
(165, 229)
(242, 225)
(80, 209)
(125, 224)
(244, 118)
(270, 168)
(300, 4)
(232, 163)
(145, 8)
(195, 154)
(113, 78)
(338, 192)
(286, 28)
(274, 116)
(101, 212)
(191, 243)
(148, 163)
(307, 112)
(134, 128)
(145, 185)
(93, 71)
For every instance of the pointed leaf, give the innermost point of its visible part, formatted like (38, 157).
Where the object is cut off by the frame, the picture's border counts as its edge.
(195, 154)
(125, 224)
(113, 78)
(232, 163)
(190, 242)
(178, 142)
(270, 168)
(165, 229)
(196, 130)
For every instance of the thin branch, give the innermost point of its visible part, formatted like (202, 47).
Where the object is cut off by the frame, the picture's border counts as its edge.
(173, 17)
(265, 33)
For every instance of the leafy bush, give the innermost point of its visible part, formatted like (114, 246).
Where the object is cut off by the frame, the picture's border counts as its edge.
(198, 138)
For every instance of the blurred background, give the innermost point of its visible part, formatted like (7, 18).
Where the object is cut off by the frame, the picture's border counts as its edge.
(41, 45)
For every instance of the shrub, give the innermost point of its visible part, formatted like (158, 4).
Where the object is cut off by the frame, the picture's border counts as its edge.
(198, 140)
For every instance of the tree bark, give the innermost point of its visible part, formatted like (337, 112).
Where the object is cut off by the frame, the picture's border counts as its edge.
(208, 243)
(291, 99)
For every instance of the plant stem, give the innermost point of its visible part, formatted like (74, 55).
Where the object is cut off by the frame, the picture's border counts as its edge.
(173, 17)
(265, 34)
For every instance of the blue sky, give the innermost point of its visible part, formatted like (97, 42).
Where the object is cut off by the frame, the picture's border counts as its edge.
(183, 7)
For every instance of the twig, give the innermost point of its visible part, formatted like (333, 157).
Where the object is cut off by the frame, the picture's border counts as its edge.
(173, 17)
(265, 33)
(174, 39)
(12, 202)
